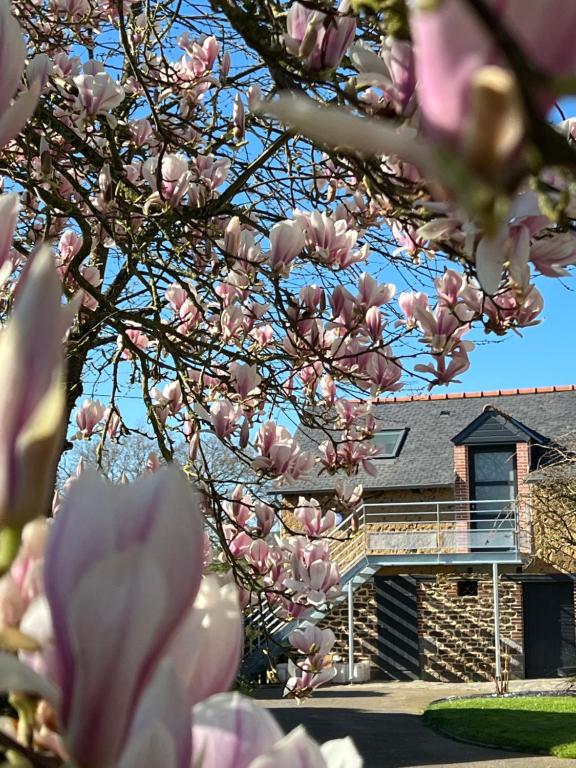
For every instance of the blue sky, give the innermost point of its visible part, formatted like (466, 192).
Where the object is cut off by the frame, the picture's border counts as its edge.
(543, 356)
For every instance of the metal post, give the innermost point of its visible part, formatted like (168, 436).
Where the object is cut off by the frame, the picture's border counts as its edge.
(350, 631)
(438, 536)
(496, 621)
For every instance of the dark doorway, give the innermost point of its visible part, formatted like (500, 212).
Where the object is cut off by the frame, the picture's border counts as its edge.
(549, 634)
(398, 652)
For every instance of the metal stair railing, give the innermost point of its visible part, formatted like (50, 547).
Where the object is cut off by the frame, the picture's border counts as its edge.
(347, 548)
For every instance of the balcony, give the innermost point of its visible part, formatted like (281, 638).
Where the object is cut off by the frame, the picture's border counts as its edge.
(433, 533)
(402, 534)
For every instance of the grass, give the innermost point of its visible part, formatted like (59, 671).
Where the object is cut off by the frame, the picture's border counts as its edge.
(538, 724)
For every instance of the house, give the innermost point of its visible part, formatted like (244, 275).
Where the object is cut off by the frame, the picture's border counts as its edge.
(442, 580)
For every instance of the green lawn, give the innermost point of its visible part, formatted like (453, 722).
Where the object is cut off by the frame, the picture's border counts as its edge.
(545, 724)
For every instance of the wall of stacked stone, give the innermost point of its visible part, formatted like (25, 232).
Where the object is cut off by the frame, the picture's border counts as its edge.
(457, 633)
(365, 624)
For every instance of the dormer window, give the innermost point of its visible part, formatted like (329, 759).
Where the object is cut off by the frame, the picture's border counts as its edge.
(389, 442)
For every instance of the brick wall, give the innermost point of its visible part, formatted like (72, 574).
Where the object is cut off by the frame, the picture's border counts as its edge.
(461, 483)
(457, 633)
(523, 495)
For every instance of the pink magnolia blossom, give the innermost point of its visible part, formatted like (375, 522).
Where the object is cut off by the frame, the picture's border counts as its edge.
(207, 647)
(320, 39)
(280, 454)
(453, 49)
(88, 416)
(12, 605)
(313, 296)
(392, 71)
(258, 555)
(408, 301)
(316, 668)
(245, 379)
(233, 732)
(239, 118)
(349, 412)
(333, 240)
(161, 731)
(68, 246)
(232, 322)
(9, 210)
(31, 393)
(224, 417)
(26, 570)
(314, 577)
(113, 422)
(37, 624)
(113, 555)
(372, 294)
(265, 516)
(142, 132)
(444, 369)
(13, 116)
(254, 96)
(211, 170)
(313, 520)
(441, 329)
(449, 287)
(176, 295)
(348, 455)
(551, 255)
(137, 337)
(510, 310)
(98, 93)
(170, 397)
(286, 243)
(238, 542)
(312, 640)
(302, 685)
(383, 372)
(174, 179)
(373, 323)
(73, 8)
(328, 389)
(349, 494)
(263, 335)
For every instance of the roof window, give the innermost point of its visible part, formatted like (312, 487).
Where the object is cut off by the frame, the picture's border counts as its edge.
(389, 442)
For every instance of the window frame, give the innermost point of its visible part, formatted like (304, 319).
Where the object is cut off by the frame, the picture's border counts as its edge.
(402, 432)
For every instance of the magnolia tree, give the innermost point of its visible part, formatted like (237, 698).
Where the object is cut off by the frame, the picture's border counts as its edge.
(164, 238)
(554, 504)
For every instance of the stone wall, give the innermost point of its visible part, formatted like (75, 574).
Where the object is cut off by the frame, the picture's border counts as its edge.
(365, 624)
(457, 632)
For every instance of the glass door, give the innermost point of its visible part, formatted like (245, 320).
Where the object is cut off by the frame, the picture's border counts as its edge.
(493, 488)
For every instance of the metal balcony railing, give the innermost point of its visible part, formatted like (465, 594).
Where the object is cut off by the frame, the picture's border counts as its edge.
(413, 533)
(434, 532)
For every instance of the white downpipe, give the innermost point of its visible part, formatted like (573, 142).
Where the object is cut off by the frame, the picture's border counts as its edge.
(496, 621)
(350, 631)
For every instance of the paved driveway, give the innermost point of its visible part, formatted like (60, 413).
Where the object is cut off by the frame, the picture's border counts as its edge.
(383, 719)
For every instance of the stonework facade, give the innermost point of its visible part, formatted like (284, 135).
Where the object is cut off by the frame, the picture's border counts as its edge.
(416, 618)
(365, 625)
(455, 630)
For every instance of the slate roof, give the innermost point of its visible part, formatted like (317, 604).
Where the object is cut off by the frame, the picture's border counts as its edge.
(426, 457)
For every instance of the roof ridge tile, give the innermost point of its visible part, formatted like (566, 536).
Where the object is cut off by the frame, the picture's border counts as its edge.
(481, 393)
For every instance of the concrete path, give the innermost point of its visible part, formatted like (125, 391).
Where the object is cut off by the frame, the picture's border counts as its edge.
(383, 719)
